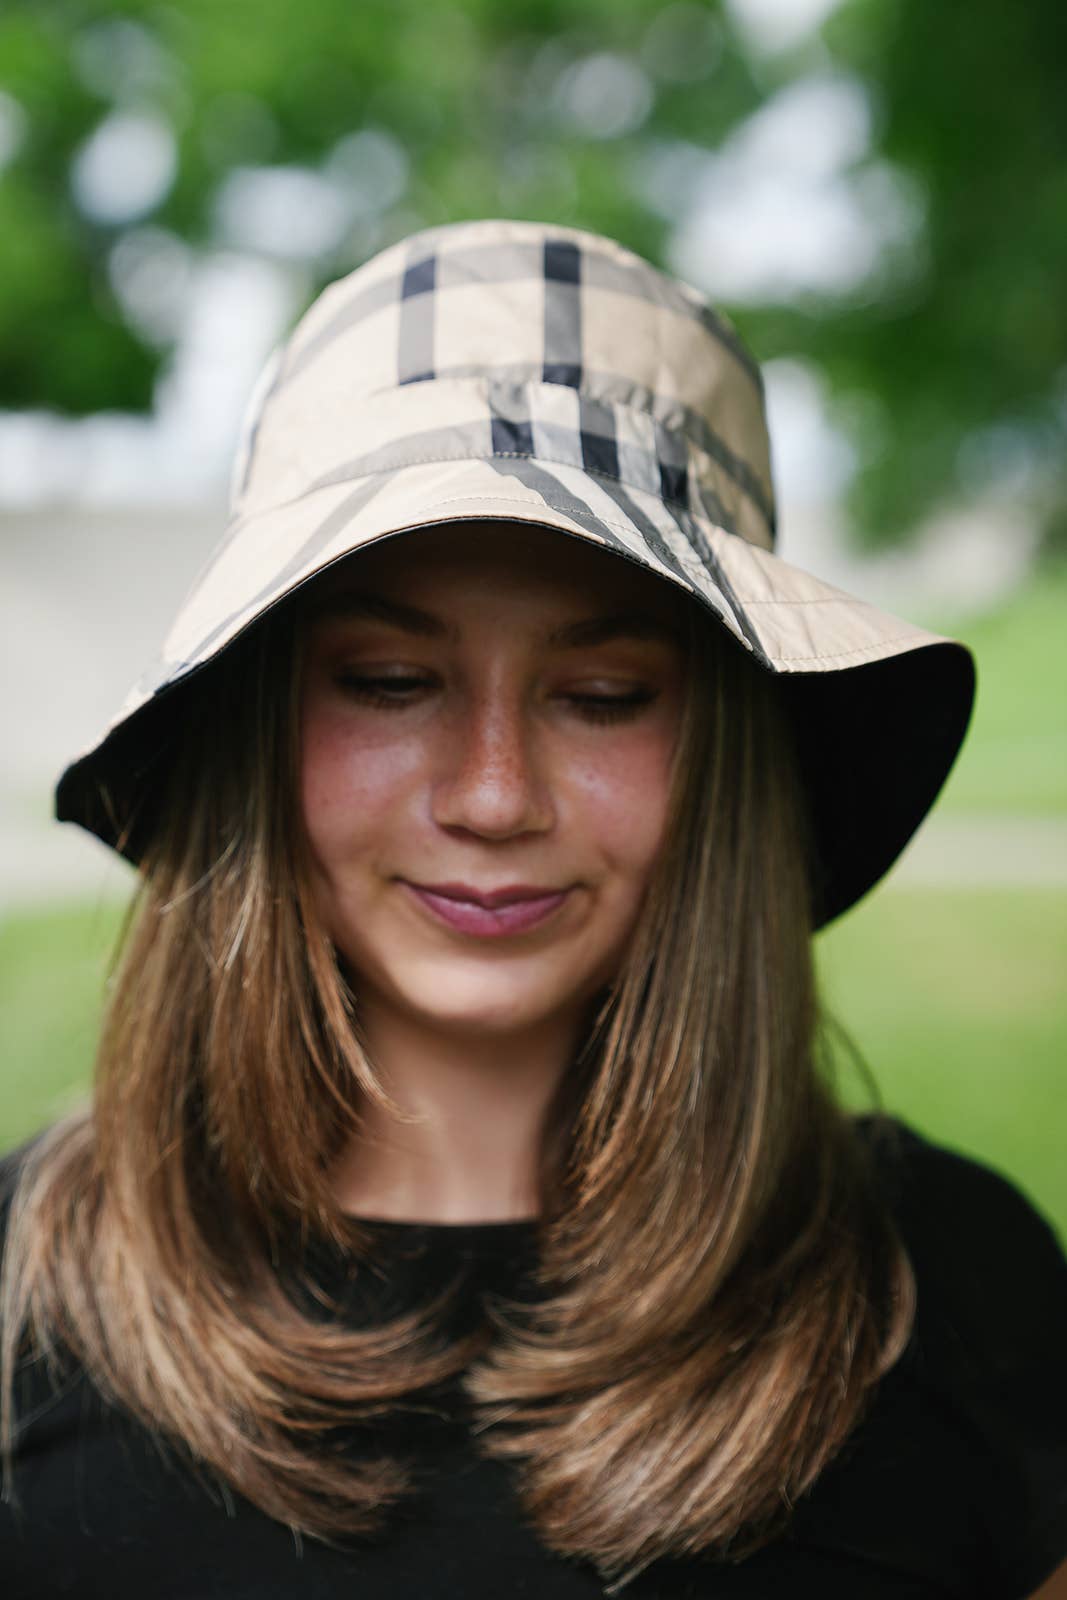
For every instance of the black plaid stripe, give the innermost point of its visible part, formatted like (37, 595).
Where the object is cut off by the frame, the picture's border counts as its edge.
(737, 468)
(727, 336)
(520, 260)
(526, 471)
(562, 271)
(686, 424)
(696, 537)
(597, 437)
(689, 531)
(560, 497)
(418, 299)
(512, 437)
(673, 459)
(556, 495)
(563, 267)
(513, 428)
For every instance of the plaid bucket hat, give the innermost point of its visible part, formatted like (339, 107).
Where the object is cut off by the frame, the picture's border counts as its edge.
(520, 371)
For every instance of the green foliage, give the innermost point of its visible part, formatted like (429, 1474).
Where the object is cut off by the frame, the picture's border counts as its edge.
(966, 351)
(946, 366)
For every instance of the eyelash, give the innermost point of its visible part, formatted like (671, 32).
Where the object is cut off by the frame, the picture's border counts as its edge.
(394, 693)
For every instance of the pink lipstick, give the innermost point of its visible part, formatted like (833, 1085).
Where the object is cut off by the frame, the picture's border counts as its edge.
(488, 914)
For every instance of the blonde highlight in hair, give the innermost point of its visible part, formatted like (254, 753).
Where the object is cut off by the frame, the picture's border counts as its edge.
(731, 1286)
(719, 1284)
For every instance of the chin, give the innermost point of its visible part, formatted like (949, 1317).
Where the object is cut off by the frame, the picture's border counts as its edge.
(480, 997)
(485, 1009)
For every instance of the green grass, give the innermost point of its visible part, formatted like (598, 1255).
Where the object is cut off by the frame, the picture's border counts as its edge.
(954, 998)
(53, 966)
(1014, 760)
(956, 1001)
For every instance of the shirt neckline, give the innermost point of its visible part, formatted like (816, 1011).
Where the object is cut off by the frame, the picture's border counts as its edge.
(501, 1230)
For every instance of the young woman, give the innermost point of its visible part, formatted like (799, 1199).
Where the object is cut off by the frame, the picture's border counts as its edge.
(462, 1209)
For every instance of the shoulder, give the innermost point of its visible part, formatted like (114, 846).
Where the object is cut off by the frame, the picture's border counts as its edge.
(989, 1340)
(932, 1187)
(978, 1245)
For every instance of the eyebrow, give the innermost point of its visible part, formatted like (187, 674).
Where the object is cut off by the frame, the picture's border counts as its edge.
(585, 633)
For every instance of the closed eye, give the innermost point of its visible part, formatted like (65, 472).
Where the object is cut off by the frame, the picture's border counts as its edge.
(611, 707)
(398, 689)
(389, 689)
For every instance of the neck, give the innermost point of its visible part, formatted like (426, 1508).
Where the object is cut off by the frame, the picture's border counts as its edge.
(478, 1104)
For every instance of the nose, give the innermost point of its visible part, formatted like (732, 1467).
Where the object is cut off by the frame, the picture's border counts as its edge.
(491, 779)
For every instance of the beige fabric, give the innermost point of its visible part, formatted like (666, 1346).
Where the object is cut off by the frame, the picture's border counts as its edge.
(521, 371)
(411, 386)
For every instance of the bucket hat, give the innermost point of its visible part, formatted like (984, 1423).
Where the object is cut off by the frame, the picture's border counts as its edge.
(522, 371)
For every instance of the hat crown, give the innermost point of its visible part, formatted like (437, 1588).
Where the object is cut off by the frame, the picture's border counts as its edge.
(515, 338)
(522, 373)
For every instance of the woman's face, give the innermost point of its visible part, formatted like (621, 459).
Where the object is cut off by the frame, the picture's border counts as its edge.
(488, 720)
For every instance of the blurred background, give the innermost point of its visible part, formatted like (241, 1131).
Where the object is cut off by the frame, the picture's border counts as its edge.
(875, 191)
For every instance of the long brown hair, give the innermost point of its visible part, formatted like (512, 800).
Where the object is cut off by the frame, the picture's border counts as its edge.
(719, 1282)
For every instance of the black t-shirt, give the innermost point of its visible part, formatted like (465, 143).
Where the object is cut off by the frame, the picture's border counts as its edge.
(955, 1484)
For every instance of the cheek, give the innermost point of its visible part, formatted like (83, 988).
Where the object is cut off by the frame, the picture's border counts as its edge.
(625, 795)
(348, 784)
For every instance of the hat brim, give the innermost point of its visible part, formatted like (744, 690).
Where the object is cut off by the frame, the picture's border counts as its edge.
(880, 706)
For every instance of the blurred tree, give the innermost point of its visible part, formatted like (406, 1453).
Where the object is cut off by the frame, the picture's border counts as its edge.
(137, 134)
(967, 353)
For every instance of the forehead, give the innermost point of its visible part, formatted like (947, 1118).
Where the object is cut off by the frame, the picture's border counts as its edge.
(499, 559)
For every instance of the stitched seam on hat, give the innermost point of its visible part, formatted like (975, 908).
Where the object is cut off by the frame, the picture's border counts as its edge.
(593, 472)
(515, 455)
(737, 468)
(609, 522)
(845, 655)
(526, 455)
(241, 523)
(601, 393)
(816, 600)
(626, 527)
(740, 472)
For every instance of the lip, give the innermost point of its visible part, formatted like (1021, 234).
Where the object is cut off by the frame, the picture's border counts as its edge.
(488, 914)
(491, 899)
